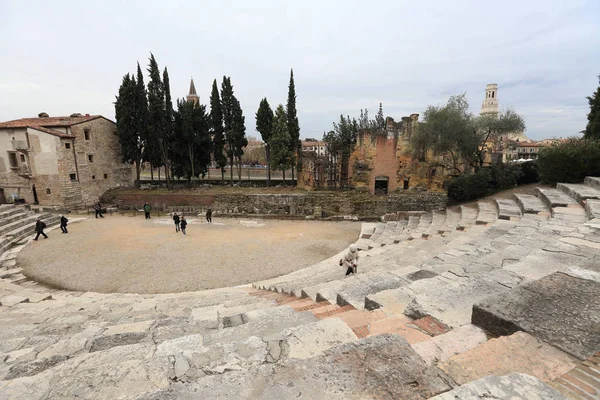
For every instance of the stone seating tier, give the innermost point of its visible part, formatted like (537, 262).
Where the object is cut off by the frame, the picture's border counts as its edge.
(414, 323)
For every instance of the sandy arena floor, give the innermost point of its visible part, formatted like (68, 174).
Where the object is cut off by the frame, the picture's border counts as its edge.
(134, 255)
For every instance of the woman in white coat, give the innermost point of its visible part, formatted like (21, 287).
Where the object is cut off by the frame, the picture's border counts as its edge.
(350, 260)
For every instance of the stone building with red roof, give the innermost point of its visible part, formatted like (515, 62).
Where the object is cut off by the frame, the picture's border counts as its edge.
(60, 161)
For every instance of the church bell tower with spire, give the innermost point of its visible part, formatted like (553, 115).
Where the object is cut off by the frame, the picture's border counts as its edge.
(192, 96)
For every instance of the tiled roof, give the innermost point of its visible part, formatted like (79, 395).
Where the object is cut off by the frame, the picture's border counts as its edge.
(530, 144)
(48, 122)
(50, 131)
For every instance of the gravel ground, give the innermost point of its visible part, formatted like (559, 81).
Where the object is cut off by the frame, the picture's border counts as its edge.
(134, 255)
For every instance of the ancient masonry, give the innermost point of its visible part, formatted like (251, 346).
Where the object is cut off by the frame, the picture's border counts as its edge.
(497, 300)
(60, 161)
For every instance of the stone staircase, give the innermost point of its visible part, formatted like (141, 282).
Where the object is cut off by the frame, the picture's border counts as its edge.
(491, 301)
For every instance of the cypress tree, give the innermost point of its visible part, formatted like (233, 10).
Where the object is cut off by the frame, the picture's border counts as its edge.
(292, 124)
(264, 125)
(125, 112)
(281, 142)
(216, 123)
(167, 134)
(592, 129)
(156, 113)
(141, 116)
(233, 122)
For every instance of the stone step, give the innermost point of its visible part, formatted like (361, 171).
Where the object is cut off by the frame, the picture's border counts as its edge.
(583, 381)
(513, 386)
(12, 215)
(424, 224)
(438, 220)
(330, 375)
(574, 213)
(452, 220)
(6, 274)
(560, 309)
(554, 198)
(486, 213)
(261, 323)
(390, 227)
(398, 232)
(354, 294)
(579, 192)
(13, 299)
(530, 204)
(519, 352)
(397, 324)
(16, 278)
(468, 218)
(367, 230)
(441, 348)
(508, 209)
(592, 208)
(379, 229)
(450, 298)
(592, 181)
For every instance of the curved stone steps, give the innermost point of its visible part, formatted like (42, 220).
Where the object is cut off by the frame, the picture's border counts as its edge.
(390, 228)
(530, 204)
(554, 198)
(379, 229)
(468, 218)
(579, 192)
(486, 213)
(400, 227)
(508, 209)
(437, 221)
(452, 220)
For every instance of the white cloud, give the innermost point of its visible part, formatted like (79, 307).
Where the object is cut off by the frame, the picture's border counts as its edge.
(65, 57)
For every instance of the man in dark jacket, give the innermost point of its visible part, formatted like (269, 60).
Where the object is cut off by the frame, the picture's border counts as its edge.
(147, 210)
(183, 225)
(209, 215)
(63, 224)
(98, 209)
(176, 220)
(39, 228)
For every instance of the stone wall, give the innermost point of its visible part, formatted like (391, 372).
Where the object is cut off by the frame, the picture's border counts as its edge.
(331, 203)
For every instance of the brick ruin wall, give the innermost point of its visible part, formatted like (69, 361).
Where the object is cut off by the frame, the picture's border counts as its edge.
(332, 203)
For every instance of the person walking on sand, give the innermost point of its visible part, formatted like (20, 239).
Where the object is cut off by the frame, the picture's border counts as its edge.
(350, 260)
(183, 224)
(147, 210)
(209, 215)
(63, 224)
(177, 222)
(39, 228)
(98, 210)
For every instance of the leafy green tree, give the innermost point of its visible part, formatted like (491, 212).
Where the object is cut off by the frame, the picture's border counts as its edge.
(281, 153)
(264, 125)
(293, 125)
(192, 145)
(460, 137)
(216, 122)
(592, 129)
(127, 129)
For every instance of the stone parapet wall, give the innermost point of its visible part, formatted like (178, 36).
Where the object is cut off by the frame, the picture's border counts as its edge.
(331, 203)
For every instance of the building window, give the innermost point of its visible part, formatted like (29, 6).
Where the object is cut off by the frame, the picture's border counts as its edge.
(73, 177)
(90, 158)
(22, 157)
(86, 134)
(433, 171)
(13, 160)
(67, 145)
(93, 177)
(48, 192)
(105, 176)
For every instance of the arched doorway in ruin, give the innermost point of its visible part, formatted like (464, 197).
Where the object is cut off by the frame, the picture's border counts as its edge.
(381, 185)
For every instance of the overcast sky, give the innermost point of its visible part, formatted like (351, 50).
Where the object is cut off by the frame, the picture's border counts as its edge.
(69, 56)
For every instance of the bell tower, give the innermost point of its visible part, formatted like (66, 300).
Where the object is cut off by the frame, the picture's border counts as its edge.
(192, 96)
(490, 102)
